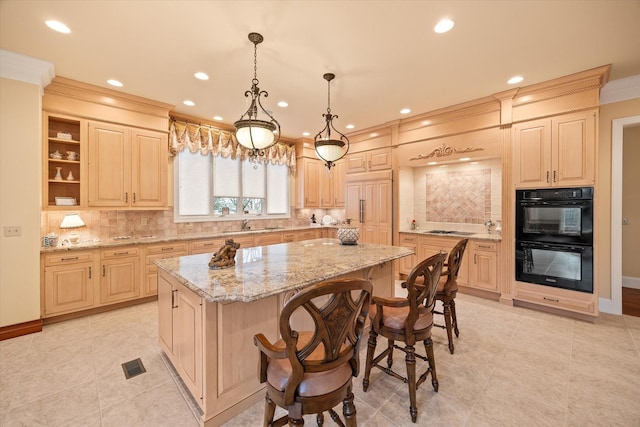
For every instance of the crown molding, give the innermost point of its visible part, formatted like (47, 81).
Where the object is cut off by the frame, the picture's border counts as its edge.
(26, 69)
(620, 90)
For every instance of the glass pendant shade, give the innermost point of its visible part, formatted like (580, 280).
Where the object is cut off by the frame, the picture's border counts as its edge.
(327, 148)
(330, 150)
(255, 134)
(252, 132)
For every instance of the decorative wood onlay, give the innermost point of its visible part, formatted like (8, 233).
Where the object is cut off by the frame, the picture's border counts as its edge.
(445, 151)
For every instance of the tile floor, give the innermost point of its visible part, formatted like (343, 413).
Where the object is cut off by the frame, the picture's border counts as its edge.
(512, 367)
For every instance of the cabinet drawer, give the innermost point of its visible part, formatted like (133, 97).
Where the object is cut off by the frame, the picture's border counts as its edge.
(67, 258)
(484, 246)
(408, 239)
(167, 247)
(555, 298)
(288, 237)
(205, 246)
(120, 252)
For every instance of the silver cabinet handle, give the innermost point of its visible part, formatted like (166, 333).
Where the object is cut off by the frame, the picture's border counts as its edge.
(361, 210)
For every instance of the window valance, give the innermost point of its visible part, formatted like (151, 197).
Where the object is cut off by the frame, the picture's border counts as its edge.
(217, 142)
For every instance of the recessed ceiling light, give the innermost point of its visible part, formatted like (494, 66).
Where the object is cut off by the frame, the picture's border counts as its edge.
(283, 104)
(432, 163)
(201, 76)
(515, 79)
(189, 103)
(465, 159)
(115, 83)
(305, 134)
(350, 126)
(217, 118)
(57, 26)
(443, 25)
(405, 111)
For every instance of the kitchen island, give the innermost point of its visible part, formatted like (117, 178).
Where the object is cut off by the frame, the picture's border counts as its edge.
(207, 318)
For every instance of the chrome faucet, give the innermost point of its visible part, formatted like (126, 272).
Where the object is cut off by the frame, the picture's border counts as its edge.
(489, 224)
(245, 225)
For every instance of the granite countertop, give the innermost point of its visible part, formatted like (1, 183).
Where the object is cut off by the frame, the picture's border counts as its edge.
(270, 270)
(139, 240)
(471, 235)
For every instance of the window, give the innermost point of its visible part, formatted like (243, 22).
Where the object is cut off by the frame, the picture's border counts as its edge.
(217, 188)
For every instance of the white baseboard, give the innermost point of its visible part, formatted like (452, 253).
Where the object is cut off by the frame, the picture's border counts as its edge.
(607, 306)
(631, 282)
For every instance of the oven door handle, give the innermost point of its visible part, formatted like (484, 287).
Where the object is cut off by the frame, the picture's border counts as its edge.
(556, 203)
(563, 248)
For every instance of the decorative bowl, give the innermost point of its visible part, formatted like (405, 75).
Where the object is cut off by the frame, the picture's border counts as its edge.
(348, 235)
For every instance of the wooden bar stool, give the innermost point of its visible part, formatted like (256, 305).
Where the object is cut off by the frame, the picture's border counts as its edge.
(407, 320)
(309, 372)
(447, 290)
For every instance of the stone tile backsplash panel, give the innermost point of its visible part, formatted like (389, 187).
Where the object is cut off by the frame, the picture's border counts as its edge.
(459, 196)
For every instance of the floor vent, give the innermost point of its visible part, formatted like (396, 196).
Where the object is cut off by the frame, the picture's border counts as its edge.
(133, 368)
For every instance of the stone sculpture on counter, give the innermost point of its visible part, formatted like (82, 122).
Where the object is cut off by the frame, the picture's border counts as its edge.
(225, 257)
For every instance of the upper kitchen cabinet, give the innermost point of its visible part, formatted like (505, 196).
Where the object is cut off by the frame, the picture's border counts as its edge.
(63, 173)
(127, 167)
(113, 148)
(318, 188)
(369, 161)
(559, 151)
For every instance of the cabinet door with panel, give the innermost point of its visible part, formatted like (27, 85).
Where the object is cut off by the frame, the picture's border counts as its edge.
(127, 167)
(407, 263)
(120, 275)
(308, 183)
(368, 204)
(69, 283)
(483, 265)
(559, 151)
(369, 161)
(109, 165)
(339, 172)
(149, 165)
(180, 331)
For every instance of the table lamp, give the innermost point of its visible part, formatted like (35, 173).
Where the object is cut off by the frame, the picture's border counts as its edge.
(72, 221)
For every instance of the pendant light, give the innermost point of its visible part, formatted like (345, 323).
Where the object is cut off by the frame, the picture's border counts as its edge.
(254, 133)
(327, 148)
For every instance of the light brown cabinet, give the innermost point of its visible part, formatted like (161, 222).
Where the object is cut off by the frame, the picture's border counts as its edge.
(559, 151)
(120, 274)
(308, 183)
(369, 161)
(205, 246)
(408, 262)
(127, 167)
(69, 283)
(62, 155)
(483, 265)
(154, 253)
(429, 246)
(180, 332)
(368, 203)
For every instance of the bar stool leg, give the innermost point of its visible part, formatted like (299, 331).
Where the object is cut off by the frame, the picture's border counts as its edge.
(371, 348)
(411, 379)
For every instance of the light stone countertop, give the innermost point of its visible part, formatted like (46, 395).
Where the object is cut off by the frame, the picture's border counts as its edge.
(264, 271)
(476, 236)
(144, 240)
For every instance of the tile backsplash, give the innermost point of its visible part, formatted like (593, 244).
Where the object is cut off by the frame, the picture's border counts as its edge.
(118, 223)
(462, 196)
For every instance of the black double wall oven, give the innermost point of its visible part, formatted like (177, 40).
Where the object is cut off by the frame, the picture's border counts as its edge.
(554, 237)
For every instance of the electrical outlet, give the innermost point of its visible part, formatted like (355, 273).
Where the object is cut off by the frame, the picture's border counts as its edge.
(188, 227)
(12, 231)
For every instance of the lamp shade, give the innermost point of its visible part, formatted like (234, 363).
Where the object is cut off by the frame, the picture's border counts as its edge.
(72, 221)
(255, 134)
(330, 150)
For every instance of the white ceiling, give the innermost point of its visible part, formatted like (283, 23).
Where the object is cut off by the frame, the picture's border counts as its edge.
(384, 53)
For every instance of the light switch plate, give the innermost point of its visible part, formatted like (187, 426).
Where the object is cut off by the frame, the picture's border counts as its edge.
(12, 231)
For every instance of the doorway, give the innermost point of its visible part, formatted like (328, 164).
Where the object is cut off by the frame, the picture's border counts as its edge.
(617, 144)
